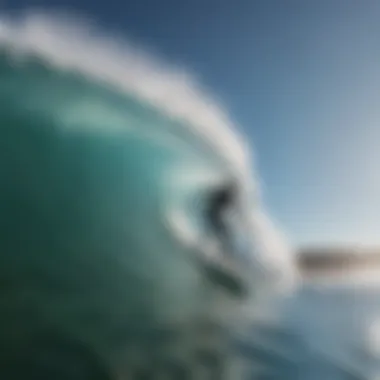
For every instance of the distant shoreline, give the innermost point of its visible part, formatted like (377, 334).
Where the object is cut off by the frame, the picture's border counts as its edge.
(339, 260)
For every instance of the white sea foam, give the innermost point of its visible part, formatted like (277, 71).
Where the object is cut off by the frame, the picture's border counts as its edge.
(369, 277)
(71, 43)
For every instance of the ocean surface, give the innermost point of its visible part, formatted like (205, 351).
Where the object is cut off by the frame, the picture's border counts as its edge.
(327, 330)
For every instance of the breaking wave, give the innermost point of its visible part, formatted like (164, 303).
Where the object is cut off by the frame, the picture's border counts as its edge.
(70, 43)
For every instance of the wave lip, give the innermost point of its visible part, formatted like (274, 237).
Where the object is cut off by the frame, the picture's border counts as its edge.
(72, 43)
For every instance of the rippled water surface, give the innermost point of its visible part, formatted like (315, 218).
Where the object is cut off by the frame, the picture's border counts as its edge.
(330, 330)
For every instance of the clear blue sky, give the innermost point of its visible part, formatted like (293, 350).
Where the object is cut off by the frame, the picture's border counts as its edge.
(301, 78)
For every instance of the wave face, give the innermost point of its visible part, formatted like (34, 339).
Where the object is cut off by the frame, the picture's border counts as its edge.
(109, 161)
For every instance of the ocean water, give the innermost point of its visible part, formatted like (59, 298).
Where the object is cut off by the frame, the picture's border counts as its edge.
(83, 113)
(328, 331)
(325, 330)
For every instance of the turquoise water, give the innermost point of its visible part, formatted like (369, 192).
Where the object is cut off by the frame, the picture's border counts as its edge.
(329, 333)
